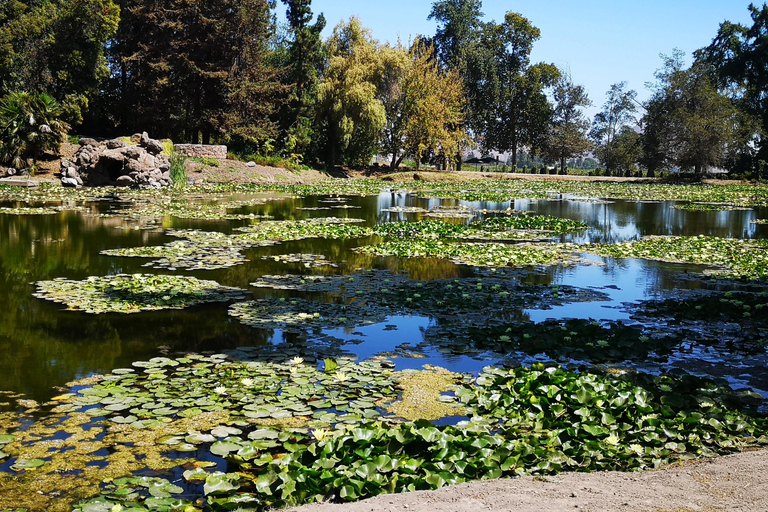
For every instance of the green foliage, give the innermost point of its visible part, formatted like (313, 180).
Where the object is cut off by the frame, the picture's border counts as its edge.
(30, 124)
(568, 135)
(178, 169)
(689, 123)
(612, 129)
(182, 69)
(535, 420)
(349, 111)
(737, 54)
(207, 161)
(59, 48)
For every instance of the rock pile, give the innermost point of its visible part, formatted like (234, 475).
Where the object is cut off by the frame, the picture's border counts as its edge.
(115, 162)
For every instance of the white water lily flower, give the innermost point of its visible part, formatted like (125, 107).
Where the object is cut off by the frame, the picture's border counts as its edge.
(636, 448)
(247, 382)
(341, 377)
(297, 361)
(612, 439)
(220, 390)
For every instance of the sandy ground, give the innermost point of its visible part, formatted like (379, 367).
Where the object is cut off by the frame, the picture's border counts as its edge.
(736, 483)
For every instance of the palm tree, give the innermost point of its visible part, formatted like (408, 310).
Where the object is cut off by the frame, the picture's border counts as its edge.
(29, 126)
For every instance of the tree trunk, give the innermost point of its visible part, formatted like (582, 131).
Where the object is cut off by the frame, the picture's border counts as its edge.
(562, 165)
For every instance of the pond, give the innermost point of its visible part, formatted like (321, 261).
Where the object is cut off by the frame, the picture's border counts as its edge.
(325, 277)
(44, 346)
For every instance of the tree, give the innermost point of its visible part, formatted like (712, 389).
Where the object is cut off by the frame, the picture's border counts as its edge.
(519, 111)
(689, 123)
(568, 135)
(56, 47)
(617, 114)
(305, 59)
(29, 125)
(738, 56)
(424, 106)
(458, 25)
(183, 68)
(350, 113)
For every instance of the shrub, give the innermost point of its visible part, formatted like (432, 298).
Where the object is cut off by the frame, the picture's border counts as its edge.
(207, 160)
(29, 125)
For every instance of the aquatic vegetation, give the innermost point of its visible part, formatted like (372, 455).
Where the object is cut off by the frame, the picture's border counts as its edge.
(524, 421)
(296, 314)
(483, 300)
(134, 293)
(518, 227)
(307, 260)
(739, 259)
(210, 250)
(489, 255)
(759, 221)
(564, 341)
(707, 207)
(29, 211)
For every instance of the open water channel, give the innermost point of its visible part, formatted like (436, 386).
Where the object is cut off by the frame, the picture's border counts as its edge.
(43, 345)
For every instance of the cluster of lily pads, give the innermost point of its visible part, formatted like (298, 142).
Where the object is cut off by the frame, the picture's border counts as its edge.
(517, 227)
(707, 207)
(133, 293)
(480, 300)
(539, 420)
(742, 259)
(481, 254)
(210, 250)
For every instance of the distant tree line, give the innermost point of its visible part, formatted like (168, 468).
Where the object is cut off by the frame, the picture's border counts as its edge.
(227, 71)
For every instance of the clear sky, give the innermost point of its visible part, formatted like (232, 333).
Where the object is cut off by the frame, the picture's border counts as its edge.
(601, 42)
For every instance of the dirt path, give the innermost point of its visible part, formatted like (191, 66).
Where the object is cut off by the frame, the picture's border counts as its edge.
(736, 483)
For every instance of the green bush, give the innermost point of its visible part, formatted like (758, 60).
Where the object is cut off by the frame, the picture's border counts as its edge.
(208, 161)
(30, 124)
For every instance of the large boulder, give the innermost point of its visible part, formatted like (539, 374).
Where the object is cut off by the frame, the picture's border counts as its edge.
(116, 163)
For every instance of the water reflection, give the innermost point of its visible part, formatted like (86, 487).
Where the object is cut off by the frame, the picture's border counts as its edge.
(42, 346)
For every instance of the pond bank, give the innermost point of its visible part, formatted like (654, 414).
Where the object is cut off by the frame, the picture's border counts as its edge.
(733, 483)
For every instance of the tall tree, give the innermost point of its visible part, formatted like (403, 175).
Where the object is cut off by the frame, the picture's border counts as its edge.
(618, 112)
(739, 55)
(424, 106)
(56, 47)
(689, 123)
(305, 59)
(458, 25)
(518, 109)
(350, 113)
(190, 67)
(568, 136)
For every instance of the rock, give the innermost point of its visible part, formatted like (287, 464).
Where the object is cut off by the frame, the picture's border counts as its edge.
(133, 166)
(124, 181)
(166, 174)
(251, 164)
(155, 147)
(133, 152)
(136, 138)
(165, 167)
(190, 181)
(115, 143)
(88, 142)
(70, 182)
(144, 139)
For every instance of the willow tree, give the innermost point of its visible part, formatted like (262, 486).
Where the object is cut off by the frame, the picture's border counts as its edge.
(424, 106)
(350, 114)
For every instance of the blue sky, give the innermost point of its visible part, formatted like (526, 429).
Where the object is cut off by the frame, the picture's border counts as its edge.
(601, 42)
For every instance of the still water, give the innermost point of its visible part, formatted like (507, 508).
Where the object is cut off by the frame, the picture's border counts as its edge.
(43, 346)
